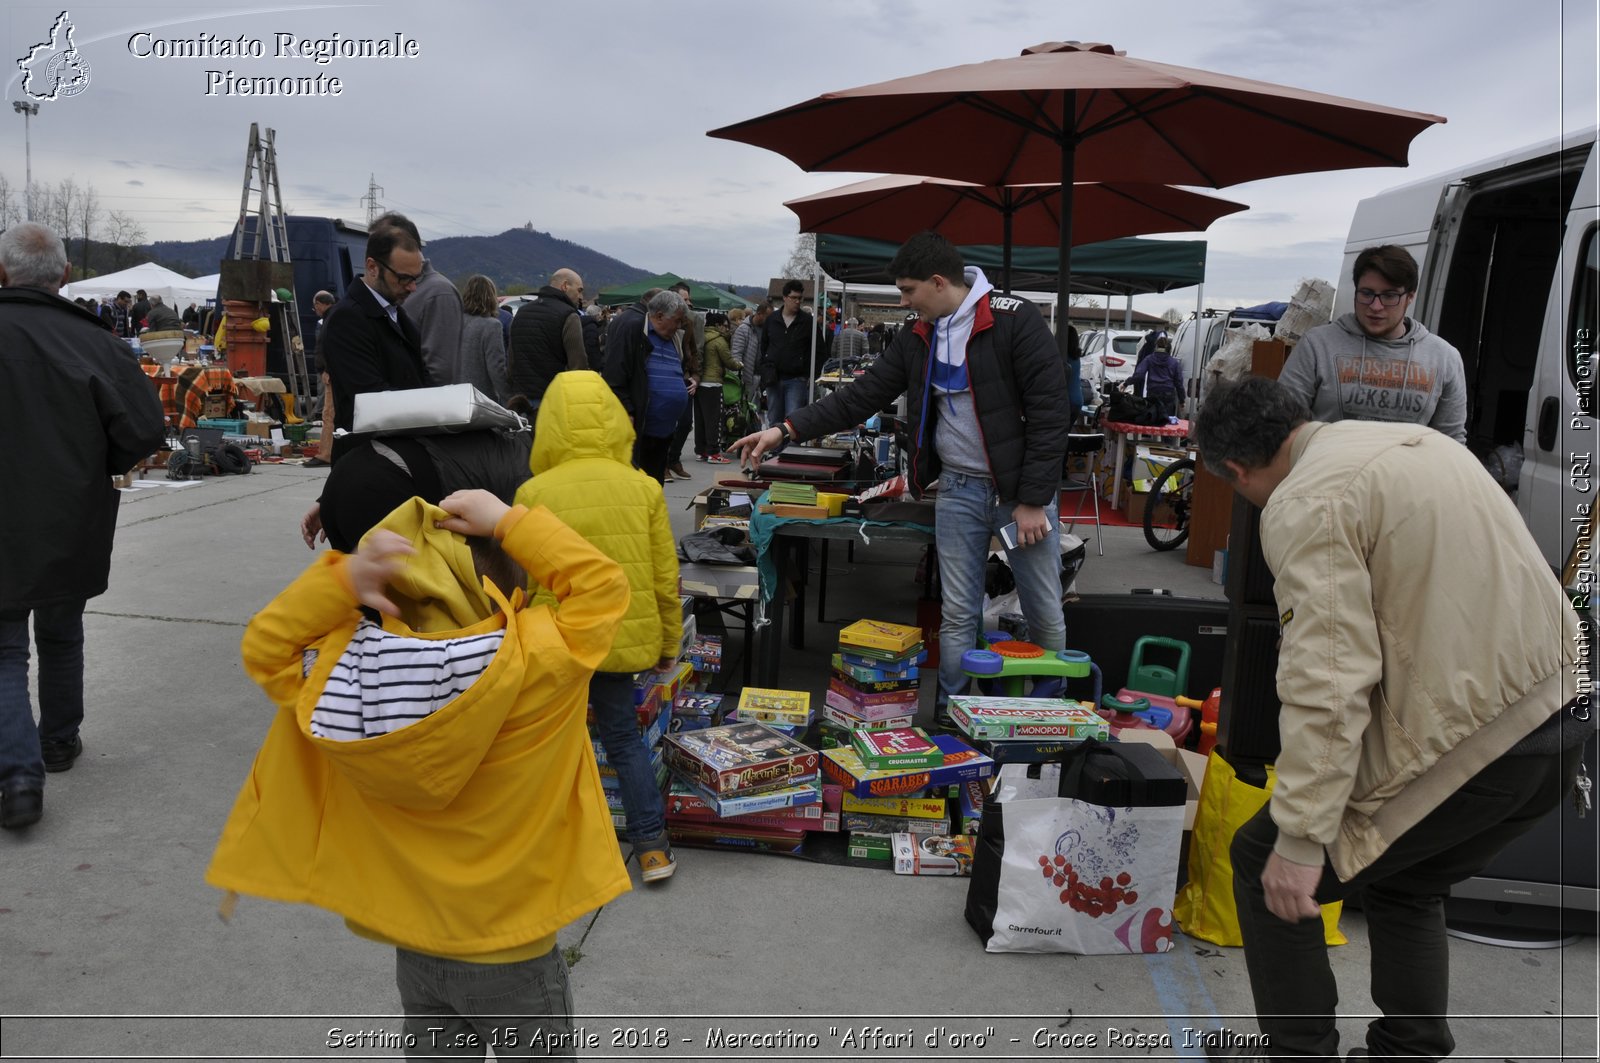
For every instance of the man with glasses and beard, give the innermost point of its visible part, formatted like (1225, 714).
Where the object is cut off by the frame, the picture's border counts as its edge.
(1377, 364)
(368, 341)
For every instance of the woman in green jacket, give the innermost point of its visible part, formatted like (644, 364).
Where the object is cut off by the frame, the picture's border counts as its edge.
(717, 361)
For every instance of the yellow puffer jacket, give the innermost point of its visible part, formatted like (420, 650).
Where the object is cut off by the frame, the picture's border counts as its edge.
(582, 473)
(476, 832)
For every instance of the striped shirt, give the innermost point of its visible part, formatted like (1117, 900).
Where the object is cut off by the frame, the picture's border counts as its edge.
(384, 681)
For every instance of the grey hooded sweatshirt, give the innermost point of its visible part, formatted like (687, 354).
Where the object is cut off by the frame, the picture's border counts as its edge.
(1344, 374)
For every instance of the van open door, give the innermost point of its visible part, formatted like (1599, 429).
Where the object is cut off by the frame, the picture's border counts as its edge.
(1562, 438)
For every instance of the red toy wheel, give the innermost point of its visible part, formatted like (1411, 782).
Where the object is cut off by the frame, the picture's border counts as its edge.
(1013, 648)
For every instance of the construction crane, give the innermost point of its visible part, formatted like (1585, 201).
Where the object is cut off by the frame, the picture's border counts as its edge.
(268, 241)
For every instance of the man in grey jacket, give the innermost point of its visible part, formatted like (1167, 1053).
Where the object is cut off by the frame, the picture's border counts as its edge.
(434, 306)
(1377, 364)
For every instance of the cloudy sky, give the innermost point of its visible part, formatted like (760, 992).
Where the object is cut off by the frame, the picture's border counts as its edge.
(589, 120)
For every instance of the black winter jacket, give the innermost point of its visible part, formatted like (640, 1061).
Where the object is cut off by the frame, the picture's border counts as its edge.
(539, 343)
(75, 410)
(1018, 387)
(786, 349)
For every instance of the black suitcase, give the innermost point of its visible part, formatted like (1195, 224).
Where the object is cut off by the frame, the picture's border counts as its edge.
(1105, 626)
(1122, 775)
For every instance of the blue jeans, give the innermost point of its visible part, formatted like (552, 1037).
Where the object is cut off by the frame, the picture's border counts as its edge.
(783, 398)
(967, 513)
(459, 1009)
(611, 695)
(58, 629)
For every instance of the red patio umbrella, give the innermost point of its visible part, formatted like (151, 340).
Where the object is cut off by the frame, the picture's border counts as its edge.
(1068, 111)
(895, 207)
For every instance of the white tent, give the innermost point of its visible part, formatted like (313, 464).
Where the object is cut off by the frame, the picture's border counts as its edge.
(175, 289)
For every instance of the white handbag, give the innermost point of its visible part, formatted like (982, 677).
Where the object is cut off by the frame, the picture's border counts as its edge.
(430, 411)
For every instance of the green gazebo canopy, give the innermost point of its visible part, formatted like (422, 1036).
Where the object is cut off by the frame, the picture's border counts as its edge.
(1116, 267)
(702, 296)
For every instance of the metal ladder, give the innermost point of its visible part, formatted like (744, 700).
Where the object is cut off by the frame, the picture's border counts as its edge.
(272, 234)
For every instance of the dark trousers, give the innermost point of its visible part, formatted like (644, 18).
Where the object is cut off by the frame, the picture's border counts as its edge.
(681, 434)
(650, 454)
(1403, 894)
(707, 420)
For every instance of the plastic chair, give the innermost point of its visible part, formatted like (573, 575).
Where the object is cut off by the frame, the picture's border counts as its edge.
(1083, 444)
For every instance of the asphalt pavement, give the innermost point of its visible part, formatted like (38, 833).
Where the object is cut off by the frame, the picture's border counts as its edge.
(111, 946)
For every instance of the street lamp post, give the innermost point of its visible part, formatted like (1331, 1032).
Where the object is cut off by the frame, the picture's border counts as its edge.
(27, 110)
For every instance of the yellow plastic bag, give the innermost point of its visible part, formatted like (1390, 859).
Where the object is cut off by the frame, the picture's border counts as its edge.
(1204, 908)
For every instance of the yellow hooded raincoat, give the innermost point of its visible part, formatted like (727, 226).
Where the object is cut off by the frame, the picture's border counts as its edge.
(477, 831)
(582, 471)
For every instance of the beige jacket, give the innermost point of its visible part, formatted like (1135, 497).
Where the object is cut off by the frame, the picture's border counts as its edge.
(1423, 634)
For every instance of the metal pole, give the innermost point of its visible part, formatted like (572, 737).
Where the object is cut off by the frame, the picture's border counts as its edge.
(27, 110)
(1069, 152)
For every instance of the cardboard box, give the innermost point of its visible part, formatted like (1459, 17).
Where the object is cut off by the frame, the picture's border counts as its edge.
(1193, 765)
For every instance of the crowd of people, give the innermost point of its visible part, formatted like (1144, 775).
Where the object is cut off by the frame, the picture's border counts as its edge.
(493, 583)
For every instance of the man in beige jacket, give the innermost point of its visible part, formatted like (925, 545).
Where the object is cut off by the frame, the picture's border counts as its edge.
(1430, 677)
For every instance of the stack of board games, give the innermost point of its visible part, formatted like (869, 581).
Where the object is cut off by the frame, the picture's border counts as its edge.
(725, 775)
(898, 747)
(705, 654)
(1026, 730)
(875, 682)
(883, 816)
(960, 762)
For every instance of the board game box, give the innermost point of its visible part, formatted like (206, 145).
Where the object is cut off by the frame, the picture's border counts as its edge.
(920, 807)
(961, 762)
(764, 840)
(739, 758)
(861, 821)
(689, 800)
(881, 635)
(848, 713)
(864, 846)
(695, 711)
(862, 674)
(899, 747)
(789, 707)
(1002, 719)
(865, 699)
(932, 854)
(874, 686)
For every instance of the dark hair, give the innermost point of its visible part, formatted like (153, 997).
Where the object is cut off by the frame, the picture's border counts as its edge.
(1392, 261)
(386, 239)
(393, 220)
(716, 317)
(790, 287)
(123, 295)
(681, 286)
(1246, 422)
(925, 255)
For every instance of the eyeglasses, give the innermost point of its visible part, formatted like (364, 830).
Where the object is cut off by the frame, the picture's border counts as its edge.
(403, 278)
(792, 295)
(1364, 297)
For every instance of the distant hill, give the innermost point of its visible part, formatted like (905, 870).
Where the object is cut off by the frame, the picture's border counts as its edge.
(522, 258)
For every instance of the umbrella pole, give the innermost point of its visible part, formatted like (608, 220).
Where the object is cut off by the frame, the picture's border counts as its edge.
(1005, 262)
(1069, 151)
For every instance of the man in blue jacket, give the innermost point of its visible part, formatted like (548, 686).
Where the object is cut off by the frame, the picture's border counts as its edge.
(75, 410)
(988, 420)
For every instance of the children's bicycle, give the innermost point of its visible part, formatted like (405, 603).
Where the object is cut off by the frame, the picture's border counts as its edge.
(1166, 514)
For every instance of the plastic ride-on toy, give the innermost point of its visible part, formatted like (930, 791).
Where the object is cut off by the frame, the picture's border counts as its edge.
(1007, 667)
(1153, 698)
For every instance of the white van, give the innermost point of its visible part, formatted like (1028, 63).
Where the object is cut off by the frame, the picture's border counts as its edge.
(1510, 256)
(1200, 337)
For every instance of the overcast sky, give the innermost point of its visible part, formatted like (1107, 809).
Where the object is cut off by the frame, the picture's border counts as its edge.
(589, 120)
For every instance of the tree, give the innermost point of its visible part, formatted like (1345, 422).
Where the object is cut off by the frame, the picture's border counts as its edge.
(10, 209)
(1173, 316)
(126, 235)
(86, 222)
(802, 262)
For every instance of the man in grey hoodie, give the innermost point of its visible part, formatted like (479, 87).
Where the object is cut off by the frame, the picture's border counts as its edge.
(1377, 364)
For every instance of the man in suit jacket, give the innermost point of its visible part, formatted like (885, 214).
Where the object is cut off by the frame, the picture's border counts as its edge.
(434, 306)
(368, 343)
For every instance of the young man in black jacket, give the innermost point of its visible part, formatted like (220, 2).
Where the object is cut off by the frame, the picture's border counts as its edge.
(988, 419)
(786, 367)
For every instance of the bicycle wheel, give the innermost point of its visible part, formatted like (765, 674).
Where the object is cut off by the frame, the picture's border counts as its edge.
(1166, 513)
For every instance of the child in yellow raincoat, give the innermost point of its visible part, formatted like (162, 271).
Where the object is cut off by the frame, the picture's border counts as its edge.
(430, 777)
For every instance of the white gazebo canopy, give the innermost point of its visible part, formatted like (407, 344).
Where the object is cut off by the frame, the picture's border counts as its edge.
(175, 289)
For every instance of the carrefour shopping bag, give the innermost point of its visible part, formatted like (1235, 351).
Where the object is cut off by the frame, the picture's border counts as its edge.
(1080, 856)
(1205, 904)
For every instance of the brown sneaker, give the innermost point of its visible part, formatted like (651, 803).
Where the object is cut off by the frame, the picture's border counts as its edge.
(656, 865)
(679, 471)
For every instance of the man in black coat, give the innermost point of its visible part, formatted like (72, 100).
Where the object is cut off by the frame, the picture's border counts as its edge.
(368, 343)
(547, 337)
(75, 410)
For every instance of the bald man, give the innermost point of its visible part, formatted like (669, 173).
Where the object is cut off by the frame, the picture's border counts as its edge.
(547, 337)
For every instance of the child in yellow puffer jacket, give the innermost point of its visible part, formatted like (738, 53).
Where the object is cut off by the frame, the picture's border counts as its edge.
(581, 461)
(430, 777)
